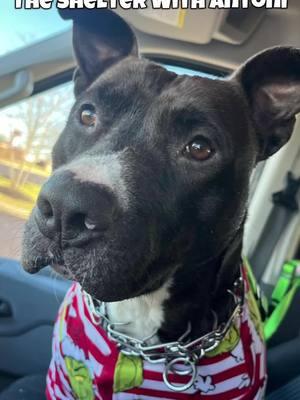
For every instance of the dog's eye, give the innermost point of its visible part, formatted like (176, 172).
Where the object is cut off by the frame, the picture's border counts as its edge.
(199, 149)
(88, 116)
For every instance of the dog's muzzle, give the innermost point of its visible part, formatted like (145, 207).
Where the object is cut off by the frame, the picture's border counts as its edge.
(74, 211)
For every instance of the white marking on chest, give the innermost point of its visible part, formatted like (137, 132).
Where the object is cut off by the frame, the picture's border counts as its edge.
(145, 314)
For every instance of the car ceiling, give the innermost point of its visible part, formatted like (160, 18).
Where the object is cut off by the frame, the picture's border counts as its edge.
(270, 28)
(205, 39)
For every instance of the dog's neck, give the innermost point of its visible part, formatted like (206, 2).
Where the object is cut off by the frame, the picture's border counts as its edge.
(188, 297)
(145, 314)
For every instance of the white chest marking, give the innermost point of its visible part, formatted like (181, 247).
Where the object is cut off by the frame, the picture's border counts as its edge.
(145, 314)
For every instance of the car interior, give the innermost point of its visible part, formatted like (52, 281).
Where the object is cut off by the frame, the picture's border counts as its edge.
(36, 68)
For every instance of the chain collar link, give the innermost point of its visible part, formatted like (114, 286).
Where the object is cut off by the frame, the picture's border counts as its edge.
(180, 357)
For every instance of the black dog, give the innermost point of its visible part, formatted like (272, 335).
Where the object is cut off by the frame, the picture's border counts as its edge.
(151, 175)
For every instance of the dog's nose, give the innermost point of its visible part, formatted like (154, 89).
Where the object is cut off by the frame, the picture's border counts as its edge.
(77, 210)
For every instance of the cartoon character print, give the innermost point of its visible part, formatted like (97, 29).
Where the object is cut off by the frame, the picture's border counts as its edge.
(231, 344)
(255, 314)
(204, 384)
(81, 371)
(228, 344)
(128, 373)
(78, 372)
(80, 379)
(238, 353)
(245, 381)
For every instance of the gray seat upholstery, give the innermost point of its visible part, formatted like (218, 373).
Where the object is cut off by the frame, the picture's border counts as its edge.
(27, 388)
(33, 388)
(290, 391)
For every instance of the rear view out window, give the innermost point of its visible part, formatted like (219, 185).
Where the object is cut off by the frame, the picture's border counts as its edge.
(28, 131)
(22, 28)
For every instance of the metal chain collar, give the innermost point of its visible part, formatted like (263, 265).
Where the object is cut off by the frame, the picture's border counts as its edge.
(180, 357)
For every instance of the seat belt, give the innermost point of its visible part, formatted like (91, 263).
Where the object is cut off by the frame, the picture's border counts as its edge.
(285, 206)
(274, 310)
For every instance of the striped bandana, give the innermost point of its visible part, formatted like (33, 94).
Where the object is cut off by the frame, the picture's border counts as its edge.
(86, 365)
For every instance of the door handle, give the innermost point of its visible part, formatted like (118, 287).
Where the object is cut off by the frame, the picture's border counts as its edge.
(22, 86)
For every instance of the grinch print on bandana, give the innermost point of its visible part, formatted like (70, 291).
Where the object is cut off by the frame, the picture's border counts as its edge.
(86, 365)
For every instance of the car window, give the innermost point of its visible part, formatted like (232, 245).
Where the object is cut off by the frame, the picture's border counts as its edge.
(27, 26)
(28, 131)
(189, 71)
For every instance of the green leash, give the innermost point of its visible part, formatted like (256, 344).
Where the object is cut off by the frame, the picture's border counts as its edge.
(282, 296)
(274, 312)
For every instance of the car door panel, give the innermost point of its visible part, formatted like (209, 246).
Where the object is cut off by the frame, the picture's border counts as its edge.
(28, 308)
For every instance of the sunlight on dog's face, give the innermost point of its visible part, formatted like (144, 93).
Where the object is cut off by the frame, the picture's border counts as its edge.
(151, 171)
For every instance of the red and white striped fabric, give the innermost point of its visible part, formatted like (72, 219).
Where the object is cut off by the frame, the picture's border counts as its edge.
(84, 363)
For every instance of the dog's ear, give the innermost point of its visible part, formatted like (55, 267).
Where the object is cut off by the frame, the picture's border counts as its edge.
(271, 83)
(100, 39)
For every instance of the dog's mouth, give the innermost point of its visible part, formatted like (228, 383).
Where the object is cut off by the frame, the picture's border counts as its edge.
(62, 270)
(130, 287)
(40, 262)
(51, 257)
(114, 268)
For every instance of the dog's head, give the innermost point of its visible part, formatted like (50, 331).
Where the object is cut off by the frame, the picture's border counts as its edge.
(152, 169)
